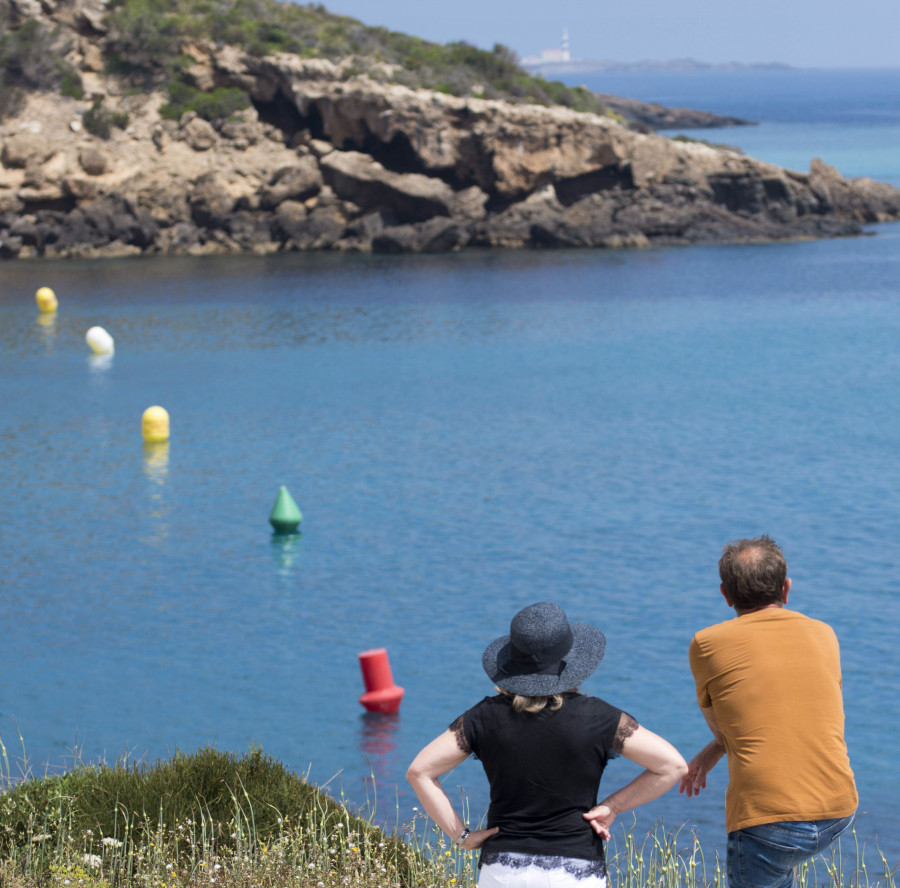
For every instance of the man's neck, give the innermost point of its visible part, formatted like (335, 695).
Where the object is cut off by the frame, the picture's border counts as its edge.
(756, 610)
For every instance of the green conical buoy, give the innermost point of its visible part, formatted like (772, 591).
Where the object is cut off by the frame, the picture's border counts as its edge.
(285, 517)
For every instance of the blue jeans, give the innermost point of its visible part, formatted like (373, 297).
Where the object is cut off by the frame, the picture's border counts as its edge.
(764, 856)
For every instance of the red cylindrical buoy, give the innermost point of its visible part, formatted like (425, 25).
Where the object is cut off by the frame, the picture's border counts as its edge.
(381, 695)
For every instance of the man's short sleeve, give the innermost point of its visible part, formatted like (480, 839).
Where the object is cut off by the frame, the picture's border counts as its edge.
(700, 673)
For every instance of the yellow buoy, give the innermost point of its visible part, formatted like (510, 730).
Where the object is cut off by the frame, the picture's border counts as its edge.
(46, 300)
(155, 425)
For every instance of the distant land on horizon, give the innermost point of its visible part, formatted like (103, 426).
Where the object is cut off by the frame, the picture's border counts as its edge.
(553, 66)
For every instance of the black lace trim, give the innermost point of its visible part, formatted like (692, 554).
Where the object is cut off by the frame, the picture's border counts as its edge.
(573, 866)
(459, 730)
(627, 726)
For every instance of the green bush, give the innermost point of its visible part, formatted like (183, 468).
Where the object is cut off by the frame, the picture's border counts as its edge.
(178, 819)
(208, 784)
(221, 102)
(29, 57)
(99, 121)
(70, 83)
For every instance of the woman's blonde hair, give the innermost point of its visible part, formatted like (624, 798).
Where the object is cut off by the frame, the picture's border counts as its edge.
(523, 703)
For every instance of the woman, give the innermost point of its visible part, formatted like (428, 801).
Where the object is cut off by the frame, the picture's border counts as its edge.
(543, 746)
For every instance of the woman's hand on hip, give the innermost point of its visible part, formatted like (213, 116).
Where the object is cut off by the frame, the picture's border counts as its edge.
(601, 818)
(477, 837)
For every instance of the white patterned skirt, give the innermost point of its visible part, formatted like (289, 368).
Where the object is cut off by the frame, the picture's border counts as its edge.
(508, 869)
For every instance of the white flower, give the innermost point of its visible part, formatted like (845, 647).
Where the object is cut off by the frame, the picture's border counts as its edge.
(41, 837)
(168, 866)
(110, 842)
(218, 866)
(93, 860)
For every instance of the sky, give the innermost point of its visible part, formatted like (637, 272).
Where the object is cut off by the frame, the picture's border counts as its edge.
(801, 33)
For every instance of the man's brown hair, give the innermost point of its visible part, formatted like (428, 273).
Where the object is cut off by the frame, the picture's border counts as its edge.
(753, 572)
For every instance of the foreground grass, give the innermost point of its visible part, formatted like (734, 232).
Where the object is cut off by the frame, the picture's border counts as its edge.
(215, 819)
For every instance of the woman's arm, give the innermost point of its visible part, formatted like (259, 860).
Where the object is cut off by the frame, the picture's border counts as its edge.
(663, 768)
(440, 756)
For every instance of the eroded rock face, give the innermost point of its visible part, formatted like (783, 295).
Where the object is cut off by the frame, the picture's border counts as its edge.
(320, 162)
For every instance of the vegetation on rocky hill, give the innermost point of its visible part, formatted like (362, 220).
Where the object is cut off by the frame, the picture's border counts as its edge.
(146, 39)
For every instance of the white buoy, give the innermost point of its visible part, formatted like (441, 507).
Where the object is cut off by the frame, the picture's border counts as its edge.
(100, 341)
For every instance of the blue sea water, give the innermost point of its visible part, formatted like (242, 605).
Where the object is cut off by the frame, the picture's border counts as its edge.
(465, 435)
(849, 118)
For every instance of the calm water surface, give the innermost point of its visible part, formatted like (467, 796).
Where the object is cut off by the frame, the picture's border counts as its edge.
(465, 435)
(850, 119)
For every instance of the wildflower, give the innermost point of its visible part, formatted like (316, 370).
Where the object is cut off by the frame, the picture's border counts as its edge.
(168, 866)
(218, 866)
(41, 837)
(93, 860)
(110, 842)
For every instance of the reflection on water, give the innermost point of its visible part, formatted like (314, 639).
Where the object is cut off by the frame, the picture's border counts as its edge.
(286, 551)
(46, 324)
(378, 731)
(156, 470)
(156, 461)
(100, 363)
(378, 744)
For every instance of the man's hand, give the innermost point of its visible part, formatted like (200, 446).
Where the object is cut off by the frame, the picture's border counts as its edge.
(699, 766)
(601, 818)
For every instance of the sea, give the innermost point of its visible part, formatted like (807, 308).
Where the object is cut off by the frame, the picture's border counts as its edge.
(465, 434)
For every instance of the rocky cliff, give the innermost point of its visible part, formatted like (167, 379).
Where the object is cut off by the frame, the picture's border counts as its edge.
(323, 160)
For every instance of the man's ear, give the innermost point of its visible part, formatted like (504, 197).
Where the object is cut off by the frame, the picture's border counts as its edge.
(725, 595)
(787, 589)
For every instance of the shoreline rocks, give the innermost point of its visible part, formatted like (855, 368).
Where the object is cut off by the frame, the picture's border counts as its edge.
(323, 162)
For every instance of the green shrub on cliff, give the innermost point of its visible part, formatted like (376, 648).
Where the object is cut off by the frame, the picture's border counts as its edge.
(220, 102)
(99, 121)
(30, 60)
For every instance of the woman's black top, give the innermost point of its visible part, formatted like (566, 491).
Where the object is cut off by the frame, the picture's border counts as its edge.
(544, 771)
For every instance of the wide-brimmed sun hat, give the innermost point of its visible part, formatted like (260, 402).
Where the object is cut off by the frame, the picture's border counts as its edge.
(544, 653)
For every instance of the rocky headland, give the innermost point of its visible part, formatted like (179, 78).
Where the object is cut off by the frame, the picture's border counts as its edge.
(325, 159)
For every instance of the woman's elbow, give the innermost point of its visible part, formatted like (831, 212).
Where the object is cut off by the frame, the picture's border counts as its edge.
(676, 768)
(417, 772)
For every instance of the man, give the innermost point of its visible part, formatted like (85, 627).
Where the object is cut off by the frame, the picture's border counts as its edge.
(769, 685)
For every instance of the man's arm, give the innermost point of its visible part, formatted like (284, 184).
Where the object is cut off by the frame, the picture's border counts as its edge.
(705, 760)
